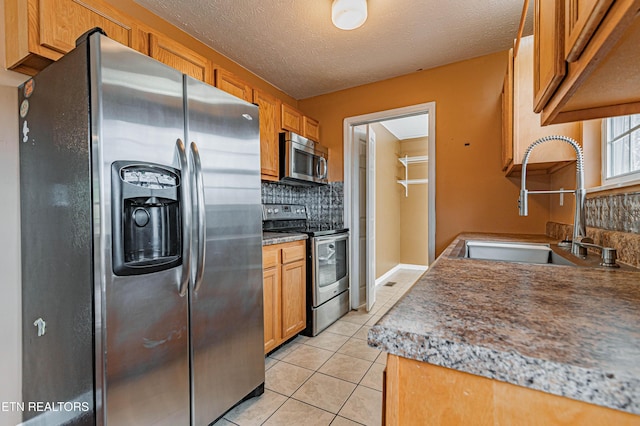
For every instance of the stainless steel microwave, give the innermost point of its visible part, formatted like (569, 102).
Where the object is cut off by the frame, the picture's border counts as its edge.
(302, 161)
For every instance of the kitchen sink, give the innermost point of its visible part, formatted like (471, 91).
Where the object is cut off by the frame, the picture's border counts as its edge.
(538, 253)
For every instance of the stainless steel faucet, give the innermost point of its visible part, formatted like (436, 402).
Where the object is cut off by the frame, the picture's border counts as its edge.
(579, 223)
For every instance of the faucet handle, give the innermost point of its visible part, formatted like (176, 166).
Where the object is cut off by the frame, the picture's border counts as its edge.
(583, 243)
(565, 243)
(609, 256)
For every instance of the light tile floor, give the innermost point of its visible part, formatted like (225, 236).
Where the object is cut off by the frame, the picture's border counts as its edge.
(334, 378)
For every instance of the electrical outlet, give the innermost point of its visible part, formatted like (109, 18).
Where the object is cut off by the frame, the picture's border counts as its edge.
(561, 197)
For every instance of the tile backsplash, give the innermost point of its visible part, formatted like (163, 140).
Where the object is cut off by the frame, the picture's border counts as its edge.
(612, 221)
(325, 203)
(620, 212)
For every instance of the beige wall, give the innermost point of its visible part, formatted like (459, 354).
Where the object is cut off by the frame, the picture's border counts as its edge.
(472, 193)
(414, 227)
(388, 220)
(10, 287)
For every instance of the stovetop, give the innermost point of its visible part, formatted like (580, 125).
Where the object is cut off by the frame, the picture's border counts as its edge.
(291, 218)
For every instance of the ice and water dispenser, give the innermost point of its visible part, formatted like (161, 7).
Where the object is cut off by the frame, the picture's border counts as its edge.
(146, 217)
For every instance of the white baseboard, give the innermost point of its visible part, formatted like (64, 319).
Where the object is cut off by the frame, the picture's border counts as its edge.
(384, 277)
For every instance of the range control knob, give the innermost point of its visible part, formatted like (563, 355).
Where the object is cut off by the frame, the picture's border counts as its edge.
(275, 211)
(269, 211)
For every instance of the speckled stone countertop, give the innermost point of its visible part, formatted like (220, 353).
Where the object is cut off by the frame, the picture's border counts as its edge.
(270, 238)
(566, 330)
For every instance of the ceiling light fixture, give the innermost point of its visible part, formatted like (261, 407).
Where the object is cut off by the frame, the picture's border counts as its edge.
(348, 14)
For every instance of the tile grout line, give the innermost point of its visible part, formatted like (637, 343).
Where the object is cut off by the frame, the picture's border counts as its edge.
(386, 305)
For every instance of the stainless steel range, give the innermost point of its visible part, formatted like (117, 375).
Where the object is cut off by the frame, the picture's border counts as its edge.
(327, 263)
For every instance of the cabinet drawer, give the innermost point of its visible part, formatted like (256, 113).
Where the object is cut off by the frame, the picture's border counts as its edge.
(270, 257)
(293, 252)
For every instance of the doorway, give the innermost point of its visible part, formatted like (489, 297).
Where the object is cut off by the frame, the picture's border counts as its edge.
(361, 134)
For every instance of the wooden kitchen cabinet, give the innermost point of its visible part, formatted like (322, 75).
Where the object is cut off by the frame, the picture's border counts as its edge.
(549, 66)
(291, 119)
(232, 84)
(586, 59)
(521, 126)
(40, 32)
(271, 296)
(296, 122)
(177, 56)
(418, 393)
(293, 293)
(582, 18)
(507, 114)
(284, 292)
(311, 129)
(269, 107)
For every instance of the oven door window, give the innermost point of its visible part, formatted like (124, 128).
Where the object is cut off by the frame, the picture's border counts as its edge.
(331, 261)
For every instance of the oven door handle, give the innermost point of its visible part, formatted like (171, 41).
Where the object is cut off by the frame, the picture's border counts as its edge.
(331, 238)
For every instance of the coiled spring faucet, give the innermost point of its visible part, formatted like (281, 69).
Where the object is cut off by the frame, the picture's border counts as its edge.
(579, 223)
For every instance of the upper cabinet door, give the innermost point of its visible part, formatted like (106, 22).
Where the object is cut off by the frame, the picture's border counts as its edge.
(179, 57)
(311, 129)
(269, 108)
(582, 17)
(548, 50)
(63, 21)
(586, 59)
(523, 127)
(291, 119)
(231, 84)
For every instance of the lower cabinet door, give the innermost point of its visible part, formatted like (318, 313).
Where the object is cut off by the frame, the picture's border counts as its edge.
(293, 298)
(271, 295)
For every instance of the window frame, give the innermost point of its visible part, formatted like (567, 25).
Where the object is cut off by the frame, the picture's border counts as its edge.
(630, 178)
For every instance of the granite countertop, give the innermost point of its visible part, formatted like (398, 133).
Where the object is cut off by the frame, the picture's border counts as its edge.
(566, 330)
(270, 238)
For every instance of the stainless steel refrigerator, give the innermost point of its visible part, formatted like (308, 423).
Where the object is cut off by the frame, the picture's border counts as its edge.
(141, 243)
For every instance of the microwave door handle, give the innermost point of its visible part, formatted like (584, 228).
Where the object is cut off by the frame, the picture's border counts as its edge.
(186, 219)
(322, 162)
(200, 217)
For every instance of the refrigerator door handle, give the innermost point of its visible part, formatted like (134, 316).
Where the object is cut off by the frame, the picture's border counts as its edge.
(186, 219)
(199, 217)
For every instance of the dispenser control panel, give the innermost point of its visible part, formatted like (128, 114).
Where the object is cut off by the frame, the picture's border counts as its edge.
(148, 178)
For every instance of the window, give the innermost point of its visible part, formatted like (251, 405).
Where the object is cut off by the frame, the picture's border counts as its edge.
(621, 152)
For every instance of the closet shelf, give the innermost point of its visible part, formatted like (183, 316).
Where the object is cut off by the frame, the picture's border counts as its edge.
(413, 160)
(406, 160)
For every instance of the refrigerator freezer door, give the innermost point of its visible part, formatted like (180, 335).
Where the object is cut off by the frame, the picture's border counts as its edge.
(226, 310)
(137, 115)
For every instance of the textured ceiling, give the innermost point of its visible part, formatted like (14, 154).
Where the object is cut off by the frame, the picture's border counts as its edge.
(293, 45)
